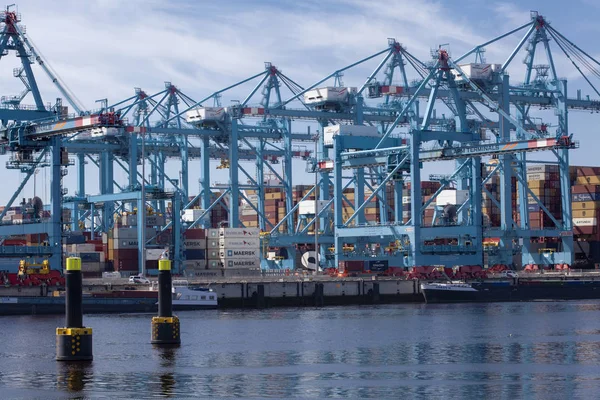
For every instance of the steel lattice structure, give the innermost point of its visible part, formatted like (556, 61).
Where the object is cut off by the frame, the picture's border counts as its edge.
(489, 118)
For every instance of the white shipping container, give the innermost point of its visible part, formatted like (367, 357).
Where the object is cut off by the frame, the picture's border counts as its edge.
(104, 131)
(123, 244)
(151, 220)
(307, 207)
(125, 233)
(406, 200)
(132, 233)
(538, 176)
(455, 197)
(7, 218)
(542, 168)
(213, 233)
(239, 243)
(247, 210)
(213, 244)
(111, 275)
(191, 215)
(348, 130)
(214, 264)
(154, 254)
(194, 264)
(328, 94)
(194, 243)
(584, 221)
(241, 272)
(239, 253)
(239, 232)
(11, 213)
(92, 267)
(205, 114)
(474, 71)
(83, 248)
(241, 262)
(213, 254)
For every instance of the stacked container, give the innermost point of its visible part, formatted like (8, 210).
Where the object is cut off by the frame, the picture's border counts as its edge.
(239, 250)
(194, 246)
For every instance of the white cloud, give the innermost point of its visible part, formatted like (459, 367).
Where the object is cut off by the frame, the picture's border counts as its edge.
(105, 48)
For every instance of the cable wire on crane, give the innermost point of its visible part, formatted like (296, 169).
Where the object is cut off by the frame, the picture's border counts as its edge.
(569, 49)
(57, 76)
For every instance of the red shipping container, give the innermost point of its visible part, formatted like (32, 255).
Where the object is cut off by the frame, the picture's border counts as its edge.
(195, 234)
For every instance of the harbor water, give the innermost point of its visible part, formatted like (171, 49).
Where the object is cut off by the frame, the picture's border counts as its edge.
(537, 350)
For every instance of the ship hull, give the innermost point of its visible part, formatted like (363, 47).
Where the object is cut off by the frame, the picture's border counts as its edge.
(56, 305)
(516, 291)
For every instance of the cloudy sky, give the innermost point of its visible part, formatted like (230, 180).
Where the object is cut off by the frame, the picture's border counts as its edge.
(106, 48)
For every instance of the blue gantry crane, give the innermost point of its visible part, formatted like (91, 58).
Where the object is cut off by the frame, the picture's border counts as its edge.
(373, 137)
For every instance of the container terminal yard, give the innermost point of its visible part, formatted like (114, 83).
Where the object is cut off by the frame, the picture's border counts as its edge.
(509, 198)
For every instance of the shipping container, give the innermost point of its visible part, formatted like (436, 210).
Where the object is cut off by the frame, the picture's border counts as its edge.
(239, 232)
(328, 94)
(195, 234)
(376, 265)
(240, 262)
(213, 254)
(228, 243)
(239, 253)
(455, 197)
(200, 114)
(194, 243)
(585, 205)
(307, 207)
(193, 264)
(192, 215)
(194, 254)
(585, 222)
(348, 130)
(475, 71)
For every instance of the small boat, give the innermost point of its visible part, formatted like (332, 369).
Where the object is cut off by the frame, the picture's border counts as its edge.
(511, 290)
(451, 292)
(186, 297)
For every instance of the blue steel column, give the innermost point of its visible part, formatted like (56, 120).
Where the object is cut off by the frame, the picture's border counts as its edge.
(565, 183)
(154, 177)
(78, 213)
(205, 179)
(506, 221)
(141, 234)
(288, 181)
(177, 250)
(416, 198)
(162, 161)
(398, 203)
(55, 234)
(234, 194)
(106, 187)
(260, 179)
(475, 196)
(183, 153)
(338, 147)
(133, 162)
(324, 185)
(359, 194)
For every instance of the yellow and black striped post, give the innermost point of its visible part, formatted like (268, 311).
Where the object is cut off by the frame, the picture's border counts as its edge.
(165, 327)
(74, 342)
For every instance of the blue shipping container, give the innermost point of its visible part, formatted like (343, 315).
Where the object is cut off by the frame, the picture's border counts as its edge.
(585, 197)
(195, 254)
(89, 257)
